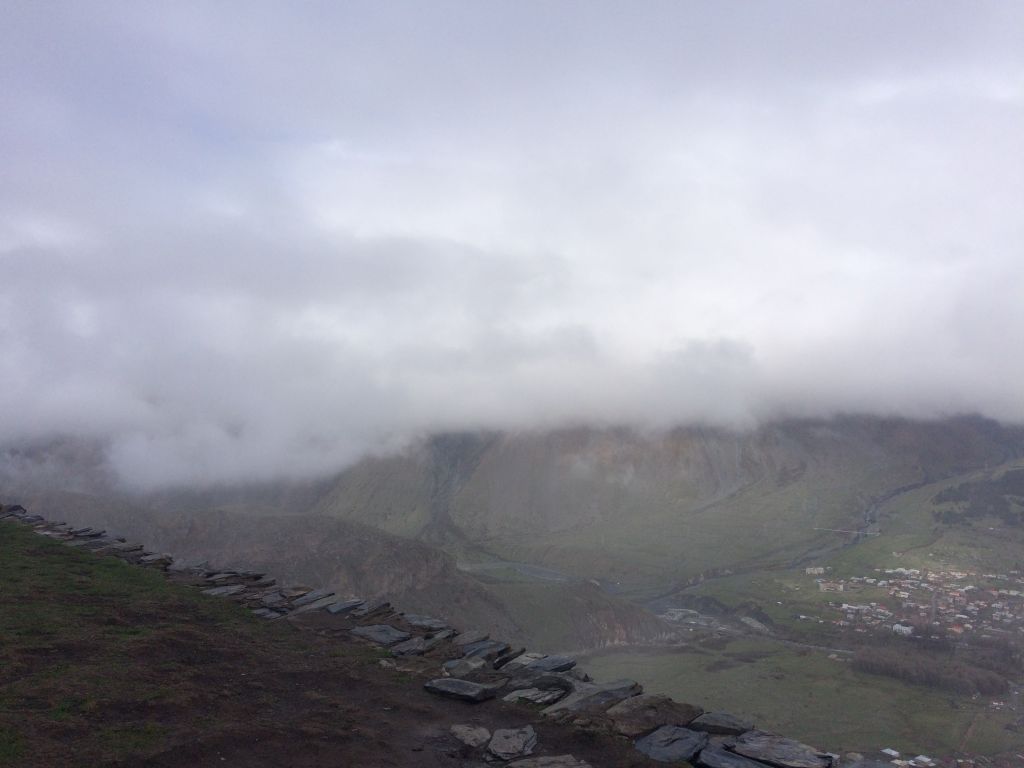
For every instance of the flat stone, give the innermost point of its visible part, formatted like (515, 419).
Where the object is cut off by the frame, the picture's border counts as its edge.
(716, 756)
(671, 744)
(721, 723)
(266, 613)
(316, 605)
(119, 548)
(641, 714)
(311, 597)
(463, 689)
(233, 589)
(553, 664)
(414, 646)
(155, 558)
(510, 743)
(536, 696)
(294, 592)
(592, 697)
(523, 660)
(372, 607)
(778, 751)
(470, 636)
(382, 634)
(222, 576)
(546, 681)
(274, 598)
(485, 649)
(550, 761)
(504, 658)
(424, 622)
(436, 639)
(471, 735)
(345, 606)
(462, 667)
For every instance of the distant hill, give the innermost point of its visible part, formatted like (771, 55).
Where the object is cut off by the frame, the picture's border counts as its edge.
(638, 513)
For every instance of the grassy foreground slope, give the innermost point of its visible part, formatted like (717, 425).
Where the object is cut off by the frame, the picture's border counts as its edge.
(107, 664)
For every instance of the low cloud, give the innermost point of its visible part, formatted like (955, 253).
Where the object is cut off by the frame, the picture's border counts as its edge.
(243, 242)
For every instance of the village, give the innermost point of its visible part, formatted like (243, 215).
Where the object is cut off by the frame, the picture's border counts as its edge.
(911, 602)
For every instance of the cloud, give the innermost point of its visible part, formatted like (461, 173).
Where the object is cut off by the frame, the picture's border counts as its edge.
(247, 240)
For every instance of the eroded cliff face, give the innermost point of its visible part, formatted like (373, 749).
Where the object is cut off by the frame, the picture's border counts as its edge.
(617, 504)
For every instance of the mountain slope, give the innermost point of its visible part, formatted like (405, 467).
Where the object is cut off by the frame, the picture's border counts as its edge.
(634, 508)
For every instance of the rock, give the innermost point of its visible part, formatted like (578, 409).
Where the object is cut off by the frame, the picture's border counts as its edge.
(424, 622)
(578, 674)
(382, 634)
(502, 659)
(591, 697)
(119, 547)
(435, 640)
(233, 589)
(721, 723)
(375, 606)
(716, 756)
(778, 751)
(552, 664)
(865, 763)
(266, 613)
(485, 649)
(345, 606)
(274, 598)
(316, 605)
(550, 761)
(222, 576)
(293, 592)
(510, 743)
(312, 597)
(536, 695)
(463, 689)
(670, 744)
(641, 714)
(546, 681)
(462, 667)
(414, 646)
(470, 636)
(471, 735)
(523, 660)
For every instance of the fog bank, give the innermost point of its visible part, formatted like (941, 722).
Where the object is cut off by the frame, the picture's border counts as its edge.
(245, 240)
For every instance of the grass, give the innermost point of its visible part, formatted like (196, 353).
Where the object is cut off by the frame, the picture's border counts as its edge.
(79, 636)
(827, 703)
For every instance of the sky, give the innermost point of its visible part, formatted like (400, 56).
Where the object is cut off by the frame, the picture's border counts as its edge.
(259, 239)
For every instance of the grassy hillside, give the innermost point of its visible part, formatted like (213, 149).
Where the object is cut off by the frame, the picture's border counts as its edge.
(649, 510)
(105, 664)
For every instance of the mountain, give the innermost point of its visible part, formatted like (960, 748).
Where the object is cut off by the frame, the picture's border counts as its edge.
(643, 510)
(538, 535)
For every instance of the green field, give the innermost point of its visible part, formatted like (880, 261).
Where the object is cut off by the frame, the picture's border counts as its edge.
(811, 697)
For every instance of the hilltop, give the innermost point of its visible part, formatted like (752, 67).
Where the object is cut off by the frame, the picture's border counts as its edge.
(108, 664)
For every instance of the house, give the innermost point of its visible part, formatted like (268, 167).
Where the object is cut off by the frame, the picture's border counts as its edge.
(815, 571)
(902, 629)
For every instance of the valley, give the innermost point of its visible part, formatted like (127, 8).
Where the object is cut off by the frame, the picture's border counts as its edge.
(739, 569)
